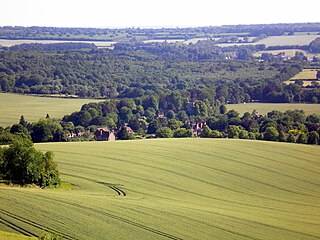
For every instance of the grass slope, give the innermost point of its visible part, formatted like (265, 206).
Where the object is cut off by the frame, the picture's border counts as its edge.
(13, 236)
(264, 108)
(175, 189)
(12, 106)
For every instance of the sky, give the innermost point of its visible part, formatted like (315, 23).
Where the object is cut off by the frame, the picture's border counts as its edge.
(154, 13)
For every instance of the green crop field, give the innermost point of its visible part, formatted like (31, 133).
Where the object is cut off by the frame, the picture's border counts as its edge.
(14, 236)
(12, 106)
(264, 108)
(174, 189)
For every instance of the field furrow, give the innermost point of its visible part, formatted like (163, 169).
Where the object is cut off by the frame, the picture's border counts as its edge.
(174, 189)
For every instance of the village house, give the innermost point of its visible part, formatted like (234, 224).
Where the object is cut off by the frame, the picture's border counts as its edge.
(197, 127)
(104, 134)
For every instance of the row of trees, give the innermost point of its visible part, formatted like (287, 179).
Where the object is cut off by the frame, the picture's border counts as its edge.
(170, 116)
(130, 34)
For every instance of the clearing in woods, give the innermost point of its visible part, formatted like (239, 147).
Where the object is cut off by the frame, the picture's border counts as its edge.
(12, 106)
(308, 76)
(174, 189)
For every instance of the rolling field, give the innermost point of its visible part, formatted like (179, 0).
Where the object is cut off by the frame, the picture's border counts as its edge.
(174, 189)
(264, 108)
(12, 106)
(14, 236)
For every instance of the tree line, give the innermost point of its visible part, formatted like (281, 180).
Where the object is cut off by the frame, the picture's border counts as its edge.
(173, 115)
(131, 34)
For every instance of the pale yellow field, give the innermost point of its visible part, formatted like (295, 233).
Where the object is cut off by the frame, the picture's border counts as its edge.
(288, 40)
(299, 40)
(12, 106)
(264, 108)
(288, 52)
(306, 74)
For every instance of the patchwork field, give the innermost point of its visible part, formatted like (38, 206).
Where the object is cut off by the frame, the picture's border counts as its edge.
(12, 106)
(288, 52)
(174, 189)
(264, 108)
(308, 76)
(294, 40)
(288, 40)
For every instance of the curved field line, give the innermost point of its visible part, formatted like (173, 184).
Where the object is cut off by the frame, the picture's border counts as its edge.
(248, 164)
(112, 216)
(222, 186)
(34, 224)
(235, 219)
(226, 172)
(183, 190)
(202, 222)
(114, 187)
(196, 179)
(16, 228)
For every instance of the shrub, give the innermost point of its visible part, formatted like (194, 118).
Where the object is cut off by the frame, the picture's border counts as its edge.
(164, 132)
(183, 133)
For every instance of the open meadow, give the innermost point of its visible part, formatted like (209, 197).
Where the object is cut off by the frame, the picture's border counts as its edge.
(173, 189)
(264, 108)
(295, 40)
(12, 106)
(308, 76)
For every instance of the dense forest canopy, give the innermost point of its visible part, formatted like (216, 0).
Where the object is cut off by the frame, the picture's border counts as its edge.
(139, 69)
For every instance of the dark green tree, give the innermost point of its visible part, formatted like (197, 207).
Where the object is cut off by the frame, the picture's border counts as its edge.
(182, 133)
(22, 163)
(123, 134)
(282, 137)
(164, 132)
(291, 138)
(271, 134)
(302, 138)
(313, 138)
(206, 132)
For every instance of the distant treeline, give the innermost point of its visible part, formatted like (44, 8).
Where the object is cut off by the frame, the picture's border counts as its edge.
(52, 46)
(130, 34)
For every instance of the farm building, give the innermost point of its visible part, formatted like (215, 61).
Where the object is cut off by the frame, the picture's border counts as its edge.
(197, 127)
(104, 134)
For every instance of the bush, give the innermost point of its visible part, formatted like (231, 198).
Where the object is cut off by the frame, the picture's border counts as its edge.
(164, 132)
(22, 163)
(215, 134)
(183, 133)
